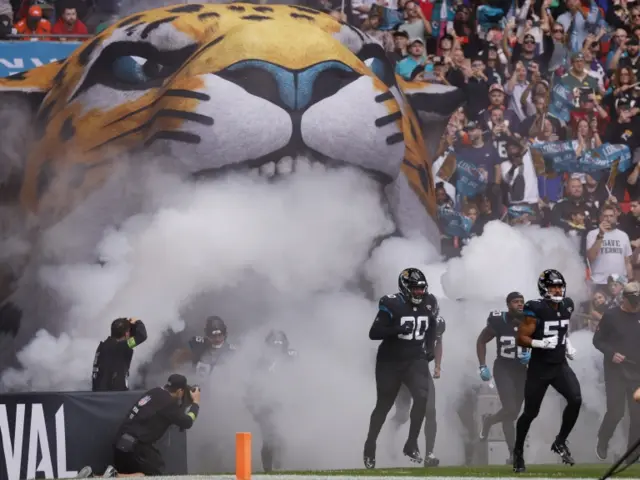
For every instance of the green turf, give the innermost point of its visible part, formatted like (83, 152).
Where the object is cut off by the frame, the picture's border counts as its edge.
(554, 471)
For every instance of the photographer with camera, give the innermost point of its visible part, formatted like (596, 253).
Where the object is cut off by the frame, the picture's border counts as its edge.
(113, 356)
(618, 337)
(176, 403)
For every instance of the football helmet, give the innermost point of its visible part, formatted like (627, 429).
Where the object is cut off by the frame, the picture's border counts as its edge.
(413, 285)
(550, 278)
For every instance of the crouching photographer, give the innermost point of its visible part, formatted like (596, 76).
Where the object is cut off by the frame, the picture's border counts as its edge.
(113, 356)
(176, 403)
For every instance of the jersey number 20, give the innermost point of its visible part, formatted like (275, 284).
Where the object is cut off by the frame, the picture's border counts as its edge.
(508, 348)
(420, 325)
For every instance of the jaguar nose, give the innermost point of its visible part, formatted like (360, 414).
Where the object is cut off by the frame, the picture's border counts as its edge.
(292, 90)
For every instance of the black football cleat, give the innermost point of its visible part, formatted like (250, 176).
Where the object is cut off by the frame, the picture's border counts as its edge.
(110, 472)
(86, 472)
(559, 447)
(518, 462)
(369, 456)
(431, 461)
(413, 453)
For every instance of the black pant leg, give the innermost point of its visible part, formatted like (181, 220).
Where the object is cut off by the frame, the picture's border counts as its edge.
(510, 380)
(614, 385)
(417, 379)
(430, 419)
(566, 384)
(388, 382)
(535, 388)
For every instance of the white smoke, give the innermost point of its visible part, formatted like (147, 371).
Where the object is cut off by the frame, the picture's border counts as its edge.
(288, 255)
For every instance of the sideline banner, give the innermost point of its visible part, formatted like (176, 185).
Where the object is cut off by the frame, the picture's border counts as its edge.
(53, 435)
(18, 56)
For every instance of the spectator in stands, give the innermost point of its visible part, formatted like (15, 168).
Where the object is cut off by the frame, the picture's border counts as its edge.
(519, 175)
(615, 285)
(578, 76)
(415, 24)
(599, 304)
(34, 24)
(415, 62)
(561, 212)
(69, 23)
(6, 18)
(608, 249)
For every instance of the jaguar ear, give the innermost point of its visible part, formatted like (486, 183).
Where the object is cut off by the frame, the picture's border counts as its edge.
(37, 80)
(432, 101)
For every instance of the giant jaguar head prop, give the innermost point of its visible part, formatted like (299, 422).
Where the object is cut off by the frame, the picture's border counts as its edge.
(229, 87)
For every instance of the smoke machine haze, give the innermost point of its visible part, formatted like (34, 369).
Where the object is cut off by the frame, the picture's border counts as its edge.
(290, 255)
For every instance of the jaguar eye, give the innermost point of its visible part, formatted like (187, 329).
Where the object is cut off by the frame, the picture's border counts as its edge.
(137, 70)
(133, 66)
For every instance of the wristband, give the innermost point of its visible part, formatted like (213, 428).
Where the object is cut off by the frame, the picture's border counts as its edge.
(537, 343)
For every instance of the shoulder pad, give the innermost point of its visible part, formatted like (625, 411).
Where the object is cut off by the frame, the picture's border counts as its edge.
(386, 303)
(531, 308)
(568, 304)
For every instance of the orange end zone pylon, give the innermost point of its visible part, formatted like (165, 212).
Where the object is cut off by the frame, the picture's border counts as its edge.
(243, 456)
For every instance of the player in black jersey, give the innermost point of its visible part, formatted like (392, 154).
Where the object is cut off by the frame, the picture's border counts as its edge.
(509, 368)
(545, 328)
(403, 401)
(205, 352)
(276, 357)
(406, 324)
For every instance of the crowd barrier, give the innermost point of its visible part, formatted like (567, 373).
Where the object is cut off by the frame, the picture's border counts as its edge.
(19, 56)
(53, 435)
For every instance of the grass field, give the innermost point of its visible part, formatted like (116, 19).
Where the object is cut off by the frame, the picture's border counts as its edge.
(489, 471)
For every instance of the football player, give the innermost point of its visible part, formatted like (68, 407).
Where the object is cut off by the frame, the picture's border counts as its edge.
(276, 354)
(407, 328)
(509, 368)
(205, 352)
(403, 402)
(545, 329)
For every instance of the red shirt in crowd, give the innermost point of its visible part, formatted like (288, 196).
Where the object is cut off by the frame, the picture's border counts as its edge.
(61, 28)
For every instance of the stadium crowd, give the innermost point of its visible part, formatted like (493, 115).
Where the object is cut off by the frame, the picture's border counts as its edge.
(550, 130)
(32, 20)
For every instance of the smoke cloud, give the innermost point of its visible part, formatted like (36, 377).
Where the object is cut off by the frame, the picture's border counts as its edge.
(291, 255)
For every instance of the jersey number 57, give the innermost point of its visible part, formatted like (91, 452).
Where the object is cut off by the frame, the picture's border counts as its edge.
(420, 325)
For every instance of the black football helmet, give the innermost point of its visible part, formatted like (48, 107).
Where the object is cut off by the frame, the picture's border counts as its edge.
(413, 285)
(216, 331)
(550, 278)
(277, 339)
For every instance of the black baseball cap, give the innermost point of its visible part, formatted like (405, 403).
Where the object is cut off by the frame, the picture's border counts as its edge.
(177, 381)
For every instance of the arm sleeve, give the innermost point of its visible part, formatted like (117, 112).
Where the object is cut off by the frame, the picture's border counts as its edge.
(179, 417)
(601, 337)
(383, 324)
(139, 334)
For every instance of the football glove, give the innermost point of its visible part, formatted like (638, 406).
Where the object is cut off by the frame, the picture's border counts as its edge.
(485, 373)
(526, 356)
